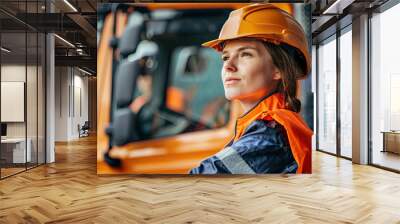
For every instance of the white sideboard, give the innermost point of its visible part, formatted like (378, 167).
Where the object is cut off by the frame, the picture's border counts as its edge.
(18, 145)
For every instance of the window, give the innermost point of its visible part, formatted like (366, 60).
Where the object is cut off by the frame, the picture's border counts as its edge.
(22, 77)
(385, 89)
(346, 93)
(196, 88)
(194, 97)
(327, 96)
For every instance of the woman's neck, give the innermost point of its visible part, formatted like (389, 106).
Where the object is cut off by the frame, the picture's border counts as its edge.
(249, 101)
(247, 106)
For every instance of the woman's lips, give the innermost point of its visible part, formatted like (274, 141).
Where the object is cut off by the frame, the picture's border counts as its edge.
(231, 80)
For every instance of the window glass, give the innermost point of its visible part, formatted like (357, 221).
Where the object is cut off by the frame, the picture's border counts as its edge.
(385, 89)
(196, 88)
(194, 96)
(22, 88)
(345, 94)
(327, 96)
(15, 150)
(32, 95)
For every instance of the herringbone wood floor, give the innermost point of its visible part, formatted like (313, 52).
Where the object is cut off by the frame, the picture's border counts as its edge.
(69, 191)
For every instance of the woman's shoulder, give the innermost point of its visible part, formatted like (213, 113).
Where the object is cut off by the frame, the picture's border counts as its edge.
(264, 126)
(265, 147)
(262, 133)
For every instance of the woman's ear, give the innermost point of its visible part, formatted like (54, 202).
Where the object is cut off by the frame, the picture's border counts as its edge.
(276, 74)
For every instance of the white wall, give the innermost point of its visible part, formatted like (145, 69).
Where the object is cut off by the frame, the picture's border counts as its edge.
(61, 103)
(13, 72)
(71, 94)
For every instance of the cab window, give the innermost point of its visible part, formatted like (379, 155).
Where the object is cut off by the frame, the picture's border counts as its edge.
(195, 88)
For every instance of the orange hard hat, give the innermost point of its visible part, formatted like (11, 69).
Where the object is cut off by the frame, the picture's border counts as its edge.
(268, 23)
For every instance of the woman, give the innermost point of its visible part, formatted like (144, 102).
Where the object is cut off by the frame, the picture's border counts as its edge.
(264, 52)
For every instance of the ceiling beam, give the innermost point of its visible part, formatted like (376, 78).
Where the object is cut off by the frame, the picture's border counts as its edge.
(83, 61)
(86, 26)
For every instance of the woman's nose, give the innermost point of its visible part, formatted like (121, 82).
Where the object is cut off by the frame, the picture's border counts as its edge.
(230, 65)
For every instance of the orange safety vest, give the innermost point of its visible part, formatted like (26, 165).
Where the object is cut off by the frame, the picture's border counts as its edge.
(298, 133)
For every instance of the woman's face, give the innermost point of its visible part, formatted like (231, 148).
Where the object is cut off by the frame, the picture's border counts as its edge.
(247, 69)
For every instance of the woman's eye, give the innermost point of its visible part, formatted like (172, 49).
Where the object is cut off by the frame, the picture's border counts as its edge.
(245, 54)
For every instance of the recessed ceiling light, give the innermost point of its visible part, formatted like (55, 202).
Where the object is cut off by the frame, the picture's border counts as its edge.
(65, 41)
(70, 5)
(84, 71)
(5, 50)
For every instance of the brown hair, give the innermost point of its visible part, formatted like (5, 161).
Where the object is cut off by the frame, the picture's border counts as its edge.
(284, 58)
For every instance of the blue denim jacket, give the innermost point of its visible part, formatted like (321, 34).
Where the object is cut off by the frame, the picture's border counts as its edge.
(263, 148)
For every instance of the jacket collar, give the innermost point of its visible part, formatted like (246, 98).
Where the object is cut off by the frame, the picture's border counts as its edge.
(270, 102)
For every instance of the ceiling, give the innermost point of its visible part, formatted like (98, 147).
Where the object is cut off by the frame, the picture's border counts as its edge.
(76, 20)
(329, 16)
(73, 20)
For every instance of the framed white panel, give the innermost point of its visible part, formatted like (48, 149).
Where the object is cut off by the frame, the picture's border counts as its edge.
(12, 101)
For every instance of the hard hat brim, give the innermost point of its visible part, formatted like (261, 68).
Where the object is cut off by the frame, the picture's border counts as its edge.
(216, 44)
